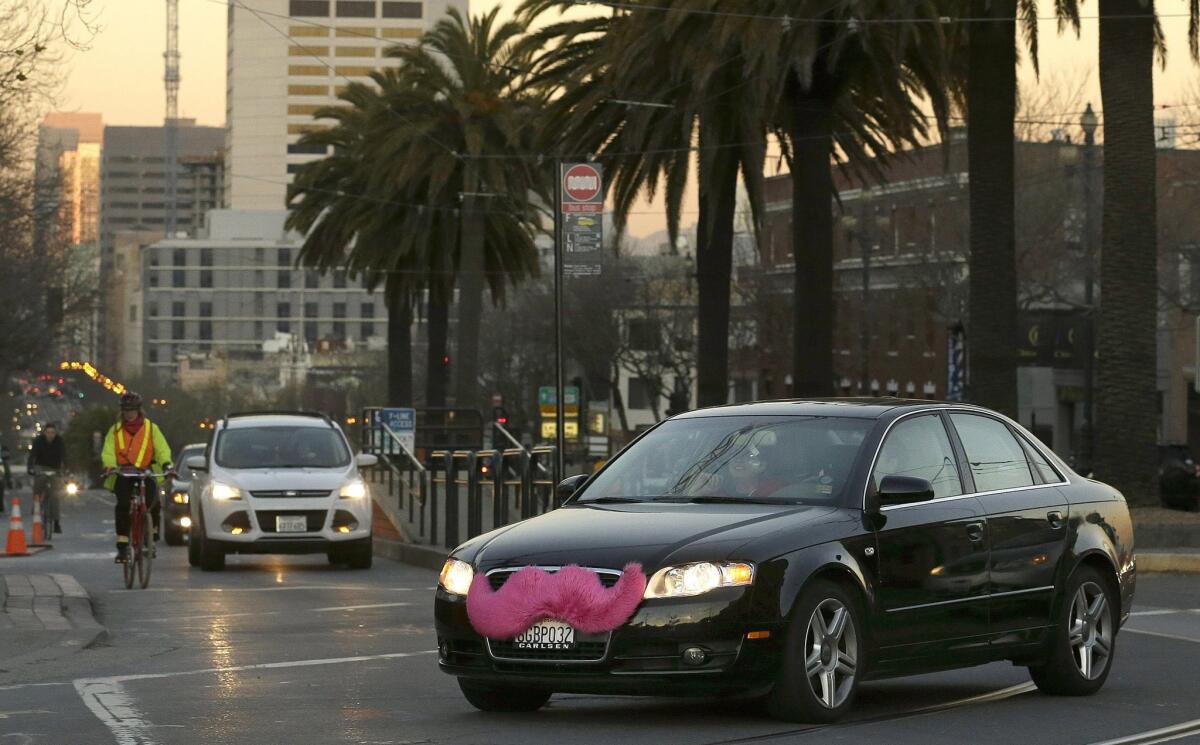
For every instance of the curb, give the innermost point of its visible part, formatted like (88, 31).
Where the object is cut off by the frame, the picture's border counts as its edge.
(1165, 536)
(424, 557)
(1166, 561)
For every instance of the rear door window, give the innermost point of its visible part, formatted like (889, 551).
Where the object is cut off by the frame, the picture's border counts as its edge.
(996, 459)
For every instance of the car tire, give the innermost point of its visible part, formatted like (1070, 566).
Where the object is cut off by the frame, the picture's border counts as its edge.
(361, 556)
(171, 534)
(209, 557)
(1083, 636)
(194, 542)
(822, 658)
(502, 699)
(334, 556)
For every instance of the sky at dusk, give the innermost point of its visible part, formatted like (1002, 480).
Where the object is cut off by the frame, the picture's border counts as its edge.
(120, 74)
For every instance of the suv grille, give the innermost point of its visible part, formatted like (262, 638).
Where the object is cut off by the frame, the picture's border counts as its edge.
(266, 519)
(497, 578)
(291, 493)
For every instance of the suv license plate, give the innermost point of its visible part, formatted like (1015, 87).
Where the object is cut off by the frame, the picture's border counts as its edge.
(291, 524)
(546, 635)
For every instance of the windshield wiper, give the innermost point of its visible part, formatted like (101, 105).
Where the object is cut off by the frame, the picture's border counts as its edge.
(612, 500)
(723, 500)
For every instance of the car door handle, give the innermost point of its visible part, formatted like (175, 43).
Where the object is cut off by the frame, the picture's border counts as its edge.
(975, 531)
(1055, 519)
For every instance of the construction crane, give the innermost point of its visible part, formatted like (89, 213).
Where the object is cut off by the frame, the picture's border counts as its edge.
(171, 78)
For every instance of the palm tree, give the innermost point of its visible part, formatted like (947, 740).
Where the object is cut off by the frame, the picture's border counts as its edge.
(466, 134)
(1126, 380)
(641, 98)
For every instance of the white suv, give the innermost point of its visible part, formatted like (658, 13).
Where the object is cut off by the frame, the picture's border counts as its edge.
(279, 483)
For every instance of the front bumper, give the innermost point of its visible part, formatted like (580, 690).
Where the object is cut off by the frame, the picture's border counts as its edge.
(249, 525)
(643, 657)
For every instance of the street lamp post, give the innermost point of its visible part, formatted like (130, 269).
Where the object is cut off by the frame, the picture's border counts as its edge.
(1089, 123)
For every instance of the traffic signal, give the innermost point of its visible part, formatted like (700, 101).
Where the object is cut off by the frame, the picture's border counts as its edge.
(499, 415)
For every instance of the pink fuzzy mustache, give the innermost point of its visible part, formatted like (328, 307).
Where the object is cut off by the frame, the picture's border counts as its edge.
(572, 595)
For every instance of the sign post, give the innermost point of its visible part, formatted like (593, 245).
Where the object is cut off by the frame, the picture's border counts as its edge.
(578, 240)
(403, 422)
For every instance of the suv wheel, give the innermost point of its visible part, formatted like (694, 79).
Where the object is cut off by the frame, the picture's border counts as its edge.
(360, 556)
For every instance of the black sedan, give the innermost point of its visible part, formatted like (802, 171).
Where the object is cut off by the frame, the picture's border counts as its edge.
(790, 550)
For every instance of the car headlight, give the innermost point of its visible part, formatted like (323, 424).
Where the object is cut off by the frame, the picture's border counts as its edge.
(456, 577)
(180, 497)
(225, 492)
(686, 580)
(72, 488)
(356, 489)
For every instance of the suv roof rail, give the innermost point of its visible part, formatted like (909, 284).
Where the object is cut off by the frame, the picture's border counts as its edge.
(269, 412)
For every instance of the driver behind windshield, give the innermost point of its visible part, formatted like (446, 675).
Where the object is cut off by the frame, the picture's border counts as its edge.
(749, 475)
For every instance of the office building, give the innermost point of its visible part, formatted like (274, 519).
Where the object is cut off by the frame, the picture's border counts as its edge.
(288, 58)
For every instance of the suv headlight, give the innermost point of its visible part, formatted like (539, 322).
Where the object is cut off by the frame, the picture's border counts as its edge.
(225, 492)
(686, 580)
(356, 489)
(456, 577)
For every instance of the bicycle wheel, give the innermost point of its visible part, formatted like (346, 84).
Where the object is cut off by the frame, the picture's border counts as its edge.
(127, 567)
(146, 554)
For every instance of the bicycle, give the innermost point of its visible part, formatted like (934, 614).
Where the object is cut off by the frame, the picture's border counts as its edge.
(140, 557)
(53, 483)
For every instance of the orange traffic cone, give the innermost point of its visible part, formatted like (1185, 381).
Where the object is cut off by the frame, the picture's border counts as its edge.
(39, 534)
(16, 532)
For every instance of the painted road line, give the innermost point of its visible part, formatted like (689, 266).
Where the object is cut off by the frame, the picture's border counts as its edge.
(1176, 637)
(274, 588)
(357, 607)
(169, 619)
(1164, 734)
(109, 702)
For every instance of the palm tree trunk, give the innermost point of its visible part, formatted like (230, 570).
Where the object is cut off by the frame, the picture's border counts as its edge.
(436, 383)
(470, 298)
(399, 336)
(1126, 401)
(811, 128)
(991, 106)
(714, 269)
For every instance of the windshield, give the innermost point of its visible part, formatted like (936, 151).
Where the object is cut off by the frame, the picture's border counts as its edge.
(281, 447)
(185, 473)
(736, 459)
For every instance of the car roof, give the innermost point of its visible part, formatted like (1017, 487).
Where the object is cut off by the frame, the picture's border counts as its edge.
(858, 408)
(281, 419)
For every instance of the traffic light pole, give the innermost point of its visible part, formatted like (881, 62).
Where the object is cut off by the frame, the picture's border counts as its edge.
(559, 393)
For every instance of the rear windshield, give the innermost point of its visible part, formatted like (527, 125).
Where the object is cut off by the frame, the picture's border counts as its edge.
(185, 473)
(282, 447)
(751, 459)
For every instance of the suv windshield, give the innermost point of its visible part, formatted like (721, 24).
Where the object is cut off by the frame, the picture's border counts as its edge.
(282, 447)
(736, 459)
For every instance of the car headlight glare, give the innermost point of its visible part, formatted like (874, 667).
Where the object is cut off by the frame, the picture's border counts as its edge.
(225, 492)
(456, 577)
(72, 488)
(697, 578)
(180, 497)
(356, 489)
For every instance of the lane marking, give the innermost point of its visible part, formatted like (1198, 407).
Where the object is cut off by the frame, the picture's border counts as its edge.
(330, 609)
(1163, 734)
(1176, 637)
(109, 702)
(356, 607)
(355, 588)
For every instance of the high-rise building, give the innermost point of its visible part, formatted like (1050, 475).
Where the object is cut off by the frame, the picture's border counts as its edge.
(133, 185)
(66, 205)
(288, 58)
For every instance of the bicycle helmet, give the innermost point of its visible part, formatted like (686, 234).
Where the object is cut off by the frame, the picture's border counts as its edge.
(131, 401)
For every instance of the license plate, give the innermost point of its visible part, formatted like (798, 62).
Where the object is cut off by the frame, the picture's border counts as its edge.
(546, 635)
(291, 524)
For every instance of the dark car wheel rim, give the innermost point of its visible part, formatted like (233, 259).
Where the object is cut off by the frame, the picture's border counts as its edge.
(831, 649)
(1091, 631)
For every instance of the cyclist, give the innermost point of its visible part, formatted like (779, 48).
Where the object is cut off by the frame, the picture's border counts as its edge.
(48, 453)
(133, 443)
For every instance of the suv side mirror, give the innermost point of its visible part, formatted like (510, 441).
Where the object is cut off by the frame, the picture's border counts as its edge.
(197, 463)
(896, 489)
(366, 460)
(569, 486)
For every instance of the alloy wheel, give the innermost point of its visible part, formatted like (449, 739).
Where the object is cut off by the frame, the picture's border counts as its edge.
(831, 649)
(1091, 632)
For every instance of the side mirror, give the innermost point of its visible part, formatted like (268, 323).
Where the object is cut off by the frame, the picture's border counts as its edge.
(366, 460)
(896, 489)
(569, 486)
(197, 463)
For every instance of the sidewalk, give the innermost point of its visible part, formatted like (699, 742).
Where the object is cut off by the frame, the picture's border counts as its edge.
(38, 611)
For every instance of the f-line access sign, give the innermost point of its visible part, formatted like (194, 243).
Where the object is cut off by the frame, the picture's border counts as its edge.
(582, 218)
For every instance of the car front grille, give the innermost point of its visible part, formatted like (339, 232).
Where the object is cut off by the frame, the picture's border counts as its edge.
(291, 493)
(266, 519)
(497, 577)
(588, 648)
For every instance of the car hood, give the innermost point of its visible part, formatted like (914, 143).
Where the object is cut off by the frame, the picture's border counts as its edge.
(269, 479)
(651, 534)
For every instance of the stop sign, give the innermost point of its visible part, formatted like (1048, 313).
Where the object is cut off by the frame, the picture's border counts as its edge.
(581, 183)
